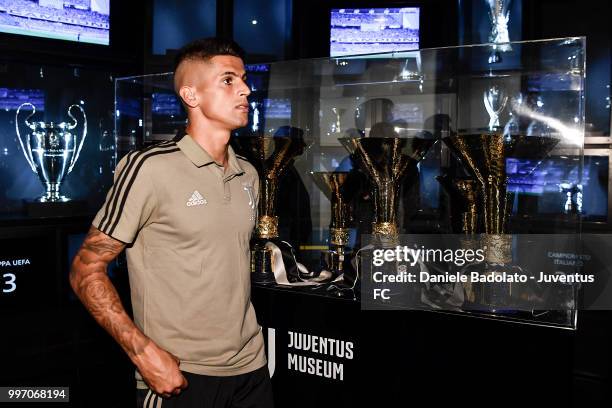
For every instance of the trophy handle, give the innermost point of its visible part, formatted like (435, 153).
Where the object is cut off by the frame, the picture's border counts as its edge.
(72, 126)
(25, 147)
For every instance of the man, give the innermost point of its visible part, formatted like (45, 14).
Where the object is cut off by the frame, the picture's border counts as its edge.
(185, 210)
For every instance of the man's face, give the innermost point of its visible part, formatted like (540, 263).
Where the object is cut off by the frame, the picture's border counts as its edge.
(222, 91)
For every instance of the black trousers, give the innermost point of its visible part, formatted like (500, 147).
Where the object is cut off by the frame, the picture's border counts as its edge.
(250, 390)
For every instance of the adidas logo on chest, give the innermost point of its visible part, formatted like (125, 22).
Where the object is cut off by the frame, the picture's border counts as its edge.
(196, 199)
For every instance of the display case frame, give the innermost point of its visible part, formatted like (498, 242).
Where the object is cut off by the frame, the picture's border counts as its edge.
(542, 88)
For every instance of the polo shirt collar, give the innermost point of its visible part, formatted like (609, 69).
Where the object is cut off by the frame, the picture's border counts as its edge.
(200, 157)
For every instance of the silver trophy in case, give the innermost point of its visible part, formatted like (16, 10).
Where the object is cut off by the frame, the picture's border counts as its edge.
(51, 149)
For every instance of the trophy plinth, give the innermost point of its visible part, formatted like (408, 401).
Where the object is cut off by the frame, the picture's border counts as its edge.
(270, 156)
(36, 208)
(386, 161)
(333, 186)
(261, 264)
(51, 149)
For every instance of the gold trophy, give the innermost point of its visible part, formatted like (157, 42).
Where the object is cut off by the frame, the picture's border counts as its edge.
(483, 155)
(333, 186)
(270, 155)
(463, 193)
(386, 161)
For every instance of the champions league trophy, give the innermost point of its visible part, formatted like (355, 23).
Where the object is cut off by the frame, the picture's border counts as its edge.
(271, 155)
(483, 154)
(51, 149)
(499, 13)
(333, 186)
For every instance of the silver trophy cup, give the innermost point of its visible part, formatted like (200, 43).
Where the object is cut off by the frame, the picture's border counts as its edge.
(499, 13)
(51, 150)
(495, 100)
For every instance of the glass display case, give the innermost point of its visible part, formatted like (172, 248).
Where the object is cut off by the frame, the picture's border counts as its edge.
(56, 140)
(405, 150)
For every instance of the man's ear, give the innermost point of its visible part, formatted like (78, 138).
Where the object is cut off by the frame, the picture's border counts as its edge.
(188, 96)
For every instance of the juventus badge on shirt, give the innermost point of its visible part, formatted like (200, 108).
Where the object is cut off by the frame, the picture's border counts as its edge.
(248, 187)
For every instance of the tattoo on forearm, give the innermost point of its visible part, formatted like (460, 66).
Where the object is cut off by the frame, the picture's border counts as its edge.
(93, 287)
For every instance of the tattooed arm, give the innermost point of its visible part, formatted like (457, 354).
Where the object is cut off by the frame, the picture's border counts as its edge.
(91, 284)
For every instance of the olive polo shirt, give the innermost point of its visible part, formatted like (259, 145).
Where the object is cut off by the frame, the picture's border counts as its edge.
(188, 223)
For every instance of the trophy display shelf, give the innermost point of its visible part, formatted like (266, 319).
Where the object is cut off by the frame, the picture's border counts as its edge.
(333, 185)
(270, 155)
(60, 208)
(387, 161)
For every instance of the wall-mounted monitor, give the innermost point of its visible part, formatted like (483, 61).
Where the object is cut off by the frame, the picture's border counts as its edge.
(11, 99)
(84, 21)
(373, 30)
(166, 104)
(277, 108)
(550, 184)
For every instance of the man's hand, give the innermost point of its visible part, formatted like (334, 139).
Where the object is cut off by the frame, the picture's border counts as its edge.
(160, 370)
(91, 284)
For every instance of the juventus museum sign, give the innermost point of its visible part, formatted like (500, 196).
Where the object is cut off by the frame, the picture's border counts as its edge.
(311, 346)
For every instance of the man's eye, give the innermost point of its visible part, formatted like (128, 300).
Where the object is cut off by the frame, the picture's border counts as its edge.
(227, 81)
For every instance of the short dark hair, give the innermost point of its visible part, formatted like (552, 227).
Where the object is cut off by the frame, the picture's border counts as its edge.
(206, 48)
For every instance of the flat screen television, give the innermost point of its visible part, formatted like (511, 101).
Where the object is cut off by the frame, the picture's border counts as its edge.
(277, 108)
(166, 104)
(11, 99)
(84, 21)
(557, 186)
(369, 30)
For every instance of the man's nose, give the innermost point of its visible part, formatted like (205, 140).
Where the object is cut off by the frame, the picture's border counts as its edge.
(244, 89)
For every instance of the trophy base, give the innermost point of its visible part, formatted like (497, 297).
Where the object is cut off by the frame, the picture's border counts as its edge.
(261, 266)
(334, 262)
(67, 208)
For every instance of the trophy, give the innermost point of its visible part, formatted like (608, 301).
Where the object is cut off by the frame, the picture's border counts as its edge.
(483, 155)
(51, 149)
(573, 197)
(463, 193)
(336, 126)
(499, 14)
(271, 155)
(495, 100)
(333, 186)
(463, 196)
(386, 161)
(256, 119)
